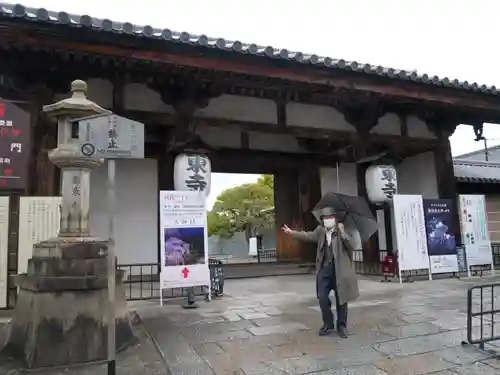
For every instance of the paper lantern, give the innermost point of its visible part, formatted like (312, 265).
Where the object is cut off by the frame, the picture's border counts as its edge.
(192, 172)
(381, 183)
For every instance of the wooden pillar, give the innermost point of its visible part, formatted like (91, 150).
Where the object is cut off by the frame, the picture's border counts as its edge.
(445, 177)
(309, 195)
(371, 247)
(165, 182)
(295, 194)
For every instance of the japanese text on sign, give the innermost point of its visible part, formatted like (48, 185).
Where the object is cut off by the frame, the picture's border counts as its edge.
(390, 187)
(197, 165)
(14, 142)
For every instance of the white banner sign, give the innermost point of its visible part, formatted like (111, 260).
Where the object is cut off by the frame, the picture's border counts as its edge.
(475, 235)
(39, 220)
(410, 232)
(183, 231)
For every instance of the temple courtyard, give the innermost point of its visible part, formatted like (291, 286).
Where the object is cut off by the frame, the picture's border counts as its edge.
(269, 326)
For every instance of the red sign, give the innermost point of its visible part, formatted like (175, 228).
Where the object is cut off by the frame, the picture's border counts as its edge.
(14, 146)
(185, 272)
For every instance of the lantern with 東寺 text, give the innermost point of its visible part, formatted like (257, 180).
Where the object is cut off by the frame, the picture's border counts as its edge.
(381, 183)
(192, 171)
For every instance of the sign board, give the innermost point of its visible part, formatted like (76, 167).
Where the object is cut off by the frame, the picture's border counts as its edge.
(410, 232)
(183, 238)
(111, 137)
(475, 235)
(462, 259)
(439, 216)
(39, 220)
(4, 250)
(14, 146)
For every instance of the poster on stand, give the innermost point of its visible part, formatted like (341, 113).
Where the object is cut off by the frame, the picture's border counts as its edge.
(183, 231)
(475, 235)
(410, 232)
(441, 244)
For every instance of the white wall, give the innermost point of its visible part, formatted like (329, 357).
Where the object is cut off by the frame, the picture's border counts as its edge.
(417, 175)
(347, 183)
(136, 222)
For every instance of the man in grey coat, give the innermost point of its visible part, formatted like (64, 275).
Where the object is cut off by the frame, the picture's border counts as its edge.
(334, 270)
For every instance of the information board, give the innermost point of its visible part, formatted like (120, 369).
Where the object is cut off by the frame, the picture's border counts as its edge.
(111, 137)
(410, 232)
(183, 231)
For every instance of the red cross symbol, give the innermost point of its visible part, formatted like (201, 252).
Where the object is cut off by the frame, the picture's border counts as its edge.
(185, 272)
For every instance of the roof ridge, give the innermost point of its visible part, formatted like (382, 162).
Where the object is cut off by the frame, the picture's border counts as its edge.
(19, 11)
(479, 151)
(492, 164)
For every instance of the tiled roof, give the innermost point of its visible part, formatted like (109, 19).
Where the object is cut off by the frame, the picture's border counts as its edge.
(477, 152)
(477, 171)
(19, 11)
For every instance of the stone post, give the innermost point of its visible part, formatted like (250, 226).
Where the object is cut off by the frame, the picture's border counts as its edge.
(60, 317)
(75, 168)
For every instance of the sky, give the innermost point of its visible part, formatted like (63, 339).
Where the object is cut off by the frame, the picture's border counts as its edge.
(456, 39)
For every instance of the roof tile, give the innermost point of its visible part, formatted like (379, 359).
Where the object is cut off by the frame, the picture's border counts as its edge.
(63, 18)
(477, 171)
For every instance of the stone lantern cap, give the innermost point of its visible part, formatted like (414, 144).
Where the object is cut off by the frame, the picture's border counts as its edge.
(75, 106)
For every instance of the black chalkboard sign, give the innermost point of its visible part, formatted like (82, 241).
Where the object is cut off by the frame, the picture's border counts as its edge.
(462, 259)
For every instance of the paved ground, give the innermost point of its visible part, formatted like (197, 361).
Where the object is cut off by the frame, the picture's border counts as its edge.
(141, 359)
(269, 325)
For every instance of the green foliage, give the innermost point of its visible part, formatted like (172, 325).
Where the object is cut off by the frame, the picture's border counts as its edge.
(244, 208)
(266, 180)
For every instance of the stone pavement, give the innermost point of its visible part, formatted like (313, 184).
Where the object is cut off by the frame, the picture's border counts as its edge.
(141, 359)
(268, 326)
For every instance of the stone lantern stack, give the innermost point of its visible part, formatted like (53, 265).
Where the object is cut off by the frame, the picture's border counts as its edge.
(60, 316)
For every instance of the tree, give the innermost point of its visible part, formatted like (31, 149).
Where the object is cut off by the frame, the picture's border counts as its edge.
(245, 208)
(266, 180)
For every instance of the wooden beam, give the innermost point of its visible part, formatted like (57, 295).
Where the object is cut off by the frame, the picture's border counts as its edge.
(166, 119)
(264, 67)
(263, 162)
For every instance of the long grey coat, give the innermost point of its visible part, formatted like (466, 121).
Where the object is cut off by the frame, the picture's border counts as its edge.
(347, 280)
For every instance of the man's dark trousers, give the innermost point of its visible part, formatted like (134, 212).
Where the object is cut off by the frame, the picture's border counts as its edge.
(325, 283)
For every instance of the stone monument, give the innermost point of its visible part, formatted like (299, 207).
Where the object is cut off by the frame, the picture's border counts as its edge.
(60, 316)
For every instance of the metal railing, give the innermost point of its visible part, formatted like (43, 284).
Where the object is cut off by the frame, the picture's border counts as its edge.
(266, 256)
(142, 282)
(481, 306)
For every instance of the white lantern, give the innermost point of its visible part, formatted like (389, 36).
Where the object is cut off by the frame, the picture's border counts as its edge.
(381, 183)
(192, 172)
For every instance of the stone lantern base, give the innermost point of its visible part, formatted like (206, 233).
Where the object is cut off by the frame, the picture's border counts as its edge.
(60, 315)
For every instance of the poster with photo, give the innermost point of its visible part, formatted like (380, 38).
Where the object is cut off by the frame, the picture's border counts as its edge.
(475, 235)
(184, 253)
(441, 244)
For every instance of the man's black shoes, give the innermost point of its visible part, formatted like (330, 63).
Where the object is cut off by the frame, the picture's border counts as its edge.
(326, 330)
(342, 331)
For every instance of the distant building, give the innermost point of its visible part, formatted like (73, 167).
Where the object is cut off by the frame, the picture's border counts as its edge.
(474, 175)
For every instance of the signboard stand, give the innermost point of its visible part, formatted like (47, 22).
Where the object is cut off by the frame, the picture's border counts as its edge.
(184, 252)
(111, 137)
(190, 300)
(410, 234)
(475, 234)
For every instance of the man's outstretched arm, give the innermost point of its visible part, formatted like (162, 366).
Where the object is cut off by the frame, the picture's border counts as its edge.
(302, 235)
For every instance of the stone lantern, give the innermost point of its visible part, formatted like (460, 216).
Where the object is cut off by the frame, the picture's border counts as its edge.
(60, 317)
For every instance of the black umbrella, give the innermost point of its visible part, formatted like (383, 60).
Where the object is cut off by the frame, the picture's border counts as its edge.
(353, 211)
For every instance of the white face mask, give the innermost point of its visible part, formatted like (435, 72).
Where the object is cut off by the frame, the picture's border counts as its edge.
(329, 223)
